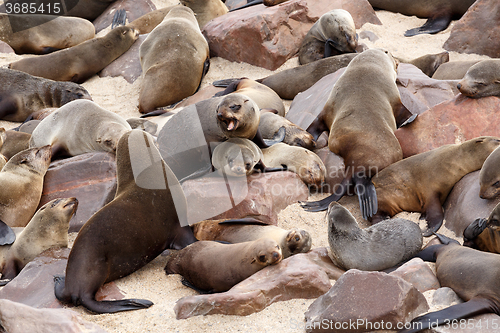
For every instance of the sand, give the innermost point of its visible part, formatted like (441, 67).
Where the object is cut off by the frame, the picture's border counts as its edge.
(151, 283)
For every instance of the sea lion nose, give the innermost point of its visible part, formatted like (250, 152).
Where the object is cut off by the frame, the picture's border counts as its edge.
(459, 86)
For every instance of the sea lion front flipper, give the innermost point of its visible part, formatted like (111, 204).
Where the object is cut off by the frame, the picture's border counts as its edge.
(445, 239)
(317, 206)
(473, 307)
(434, 215)
(332, 48)
(7, 235)
(120, 18)
(232, 86)
(367, 196)
(153, 113)
(266, 143)
(432, 26)
(245, 220)
(190, 285)
(475, 228)
(206, 67)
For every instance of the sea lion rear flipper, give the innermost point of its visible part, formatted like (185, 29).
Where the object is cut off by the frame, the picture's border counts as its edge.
(120, 18)
(434, 215)
(432, 26)
(153, 113)
(445, 240)
(317, 206)
(473, 307)
(7, 235)
(190, 285)
(224, 83)
(475, 228)
(367, 196)
(232, 86)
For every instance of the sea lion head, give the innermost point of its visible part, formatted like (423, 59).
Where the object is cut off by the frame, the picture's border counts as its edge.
(73, 91)
(239, 115)
(481, 80)
(266, 252)
(489, 176)
(109, 136)
(35, 160)
(298, 241)
(338, 26)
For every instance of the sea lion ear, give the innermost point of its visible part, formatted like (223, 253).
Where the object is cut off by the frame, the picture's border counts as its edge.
(253, 260)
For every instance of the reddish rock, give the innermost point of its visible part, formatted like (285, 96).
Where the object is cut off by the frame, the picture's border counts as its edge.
(464, 205)
(335, 169)
(134, 9)
(91, 178)
(303, 275)
(454, 121)
(444, 297)
(477, 31)
(419, 274)
(365, 298)
(5, 48)
(274, 34)
(128, 65)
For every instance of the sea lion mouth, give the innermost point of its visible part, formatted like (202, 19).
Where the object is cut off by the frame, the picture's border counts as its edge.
(231, 123)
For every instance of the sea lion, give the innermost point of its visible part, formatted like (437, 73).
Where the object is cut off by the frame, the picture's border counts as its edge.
(147, 22)
(80, 62)
(291, 241)
(236, 157)
(41, 34)
(333, 34)
(302, 161)
(361, 114)
(375, 248)
(484, 234)
(215, 267)
(174, 59)
(80, 127)
(47, 228)
(481, 80)
(21, 181)
(472, 274)
(143, 124)
(270, 123)
(489, 176)
(428, 63)
(454, 70)
(205, 10)
(26, 94)
(421, 183)
(14, 143)
(118, 240)
(439, 12)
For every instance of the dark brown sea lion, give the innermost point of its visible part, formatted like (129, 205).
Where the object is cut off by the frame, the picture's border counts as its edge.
(205, 10)
(26, 94)
(80, 62)
(118, 240)
(481, 80)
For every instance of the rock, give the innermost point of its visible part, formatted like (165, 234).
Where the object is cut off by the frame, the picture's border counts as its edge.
(231, 4)
(303, 275)
(335, 169)
(274, 34)
(464, 205)
(454, 121)
(133, 8)
(477, 30)
(5, 48)
(372, 37)
(91, 178)
(419, 274)
(444, 297)
(365, 301)
(20, 318)
(261, 196)
(128, 65)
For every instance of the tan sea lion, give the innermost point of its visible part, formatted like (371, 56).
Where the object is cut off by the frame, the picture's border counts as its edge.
(147, 22)
(270, 123)
(41, 34)
(481, 80)
(215, 267)
(80, 62)
(118, 240)
(489, 176)
(174, 59)
(80, 127)
(21, 181)
(453, 70)
(205, 10)
(421, 183)
(236, 157)
(26, 94)
(48, 228)
(375, 248)
(333, 34)
(14, 143)
(428, 63)
(291, 241)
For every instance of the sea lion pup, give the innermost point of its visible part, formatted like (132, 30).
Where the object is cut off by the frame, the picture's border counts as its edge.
(205, 10)
(291, 241)
(422, 182)
(80, 62)
(361, 115)
(428, 63)
(41, 34)
(439, 12)
(484, 234)
(453, 70)
(14, 143)
(21, 181)
(215, 267)
(375, 248)
(174, 59)
(481, 80)
(270, 123)
(47, 228)
(265, 97)
(80, 127)
(26, 94)
(141, 222)
(489, 176)
(333, 34)
(472, 274)
(302, 161)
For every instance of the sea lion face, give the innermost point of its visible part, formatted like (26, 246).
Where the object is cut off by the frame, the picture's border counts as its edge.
(110, 135)
(481, 80)
(242, 163)
(298, 241)
(34, 159)
(236, 111)
(338, 25)
(74, 92)
(489, 176)
(266, 252)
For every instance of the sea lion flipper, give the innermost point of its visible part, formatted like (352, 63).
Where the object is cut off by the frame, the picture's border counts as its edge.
(475, 228)
(120, 18)
(266, 143)
(367, 196)
(331, 48)
(317, 206)
(4, 282)
(432, 26)
(245, 220)
(434, 215)
(7, 235)
(190, 285)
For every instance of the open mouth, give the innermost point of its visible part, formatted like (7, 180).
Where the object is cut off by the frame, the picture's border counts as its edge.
(231, 124)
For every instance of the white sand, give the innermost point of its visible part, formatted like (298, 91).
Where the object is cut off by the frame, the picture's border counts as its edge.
(151, 283)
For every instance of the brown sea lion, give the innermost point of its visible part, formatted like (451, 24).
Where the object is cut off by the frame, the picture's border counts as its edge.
(489, 176)
(484, 234)
(453, 70)
(428, 63)
(291, 241)
(481, 80)
(118, 240)
(270, 123)
(439, 12)
(174, 59)
(375, 248)
(333, 34)
(205, 10)
(48, 228)
(472, 274)
(215, 267)
(147, 22)
(14, 143)
(80, 62)
(421, 183)
(21, 181)
(361, 115)
(80, 127)
(26, 94)
(41, 34)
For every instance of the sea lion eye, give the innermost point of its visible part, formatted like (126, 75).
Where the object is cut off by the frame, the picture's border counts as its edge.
(497, 184)
(297, 238)
(262, 258)
(236, 107)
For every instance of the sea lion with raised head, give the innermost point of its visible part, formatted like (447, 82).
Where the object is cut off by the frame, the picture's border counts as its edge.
(481, 80)
(453, 70)
(14, 143)
(270, 123)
